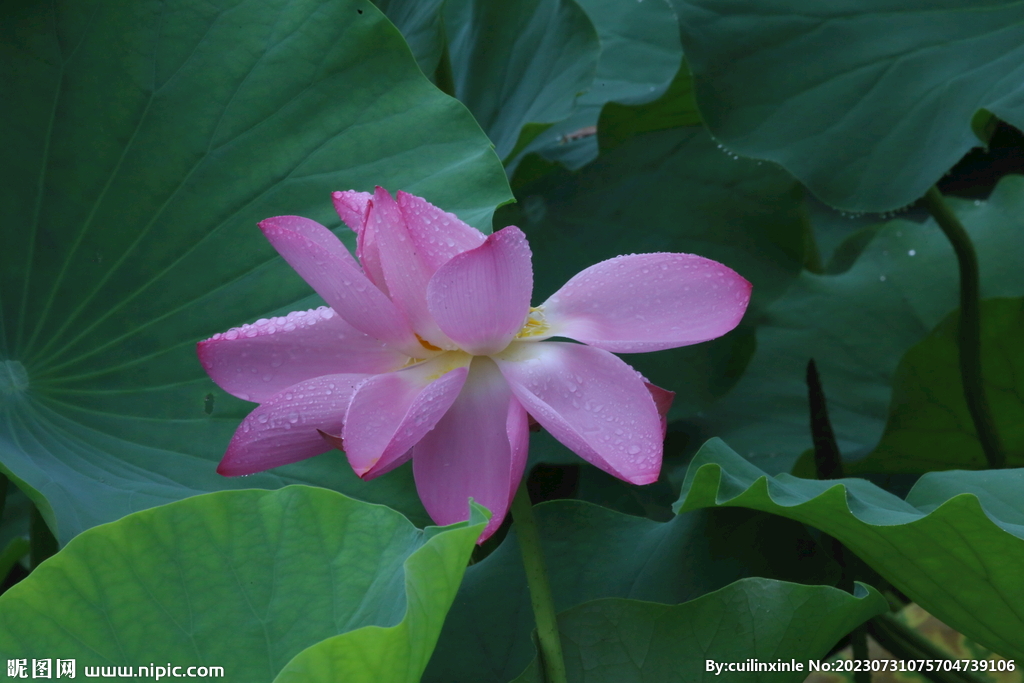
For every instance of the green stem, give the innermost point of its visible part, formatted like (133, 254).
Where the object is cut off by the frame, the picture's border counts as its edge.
(828, 461)
(889, 632)
(859, 645)
(828, 464)
(540, 590)
(969, 329)
(906, 643)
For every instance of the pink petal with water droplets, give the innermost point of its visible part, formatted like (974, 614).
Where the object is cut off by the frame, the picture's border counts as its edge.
(438, 235)
(390, 413)
(353, 207)
(591, 401)
(324, 262)
(254, 362)
(405, 270)
(648, 302)
(477, 450)
(312, 231)
(283, 429)
(480, 298)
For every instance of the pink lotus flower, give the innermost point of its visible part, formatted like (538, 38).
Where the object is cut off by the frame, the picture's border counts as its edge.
(430, 350)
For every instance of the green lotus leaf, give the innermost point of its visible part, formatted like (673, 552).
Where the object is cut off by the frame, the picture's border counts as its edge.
(868, 104)
(148, 141)
(773, 622)
(640, 53)
(676, 108)
(245, 580)
(420, 24)
(929, 426)
(516, 62)
(857, 325)
(954, 546)
(592, 553)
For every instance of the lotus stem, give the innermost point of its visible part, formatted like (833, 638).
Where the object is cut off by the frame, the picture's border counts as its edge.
(859, 646)
(540, 590)
(828, 462)
(906, 643)
(969, 327)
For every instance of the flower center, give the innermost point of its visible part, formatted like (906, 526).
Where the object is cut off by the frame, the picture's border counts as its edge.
(535, 324)
(427, 345)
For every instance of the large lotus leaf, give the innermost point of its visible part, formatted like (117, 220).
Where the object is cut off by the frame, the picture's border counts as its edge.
(857, 325)
(929, 426)
(591, 553)
(420, 24)
(516, 62)
(640, 51)
(148, 141)
(955, 545)
(640, 54)
(840, 237)
(676, 108)
(868, 103)
(670, 190)
(245, 580)
(773, 622)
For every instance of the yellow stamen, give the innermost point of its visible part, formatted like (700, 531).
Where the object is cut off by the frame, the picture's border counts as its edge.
(535, 324)
(427, 345)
